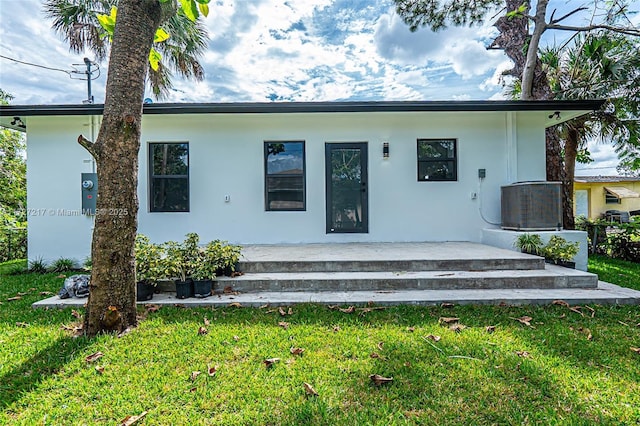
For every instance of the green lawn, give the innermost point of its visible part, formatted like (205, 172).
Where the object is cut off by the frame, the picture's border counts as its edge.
(551, 372)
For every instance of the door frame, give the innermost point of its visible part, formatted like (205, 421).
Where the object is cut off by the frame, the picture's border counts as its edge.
(364, 178)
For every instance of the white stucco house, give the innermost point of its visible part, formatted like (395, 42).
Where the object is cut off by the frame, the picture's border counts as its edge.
(293, 172)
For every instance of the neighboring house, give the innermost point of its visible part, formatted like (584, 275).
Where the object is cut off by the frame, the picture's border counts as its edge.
(595, 195)
(293, 172)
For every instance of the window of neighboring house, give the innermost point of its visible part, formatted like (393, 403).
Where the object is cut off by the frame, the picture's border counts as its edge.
(611, 199)
(169, 177)
(284, 181)
(437, 160)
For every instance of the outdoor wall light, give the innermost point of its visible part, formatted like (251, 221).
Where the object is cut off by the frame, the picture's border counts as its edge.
(556, 115)
(385, 150)
(18, 121)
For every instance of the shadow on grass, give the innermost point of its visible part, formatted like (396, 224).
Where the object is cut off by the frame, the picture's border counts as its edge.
(49, 361)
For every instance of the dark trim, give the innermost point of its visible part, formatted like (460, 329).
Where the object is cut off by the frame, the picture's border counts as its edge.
(307, 107)
(364, 177)
(304, 177)
(151, 177)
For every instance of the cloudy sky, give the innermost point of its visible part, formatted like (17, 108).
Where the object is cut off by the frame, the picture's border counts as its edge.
(277, 50)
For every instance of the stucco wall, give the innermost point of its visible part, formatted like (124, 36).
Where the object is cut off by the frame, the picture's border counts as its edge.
(226, 158)
(596, 194)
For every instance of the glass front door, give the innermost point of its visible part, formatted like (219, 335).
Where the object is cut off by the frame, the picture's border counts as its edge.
(346, 184)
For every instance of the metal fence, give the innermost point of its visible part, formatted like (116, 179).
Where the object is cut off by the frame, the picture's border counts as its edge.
(13, 243)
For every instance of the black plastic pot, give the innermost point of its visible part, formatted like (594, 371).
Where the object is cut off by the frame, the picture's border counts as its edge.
(202, 288)
(571, 265)
(144, 291)
(184, 289)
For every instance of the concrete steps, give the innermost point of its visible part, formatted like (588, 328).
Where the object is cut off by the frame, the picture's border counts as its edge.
(551, 277)
(396, 266)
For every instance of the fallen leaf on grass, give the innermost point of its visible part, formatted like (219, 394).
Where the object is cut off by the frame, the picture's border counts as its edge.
(524, 320)
(61, 276)
(349, 310)
(206, 321)
(124, 332)
(45, 293)
(76, 314)
(235, 305)
(22, 324)
(448, 320)
(99, 369)
(457, 328)
(202, 330)
(636, 350)
(130, 420)
(433, 337)
(193, 389)
(523, 354)
(270, 361)
(264, 306)
(211, 371)
(296, 351)
(309, 389)
(380, 345)
(11, 299)
(194, 375)
(590, 309)
(336, 329)
(378, 380)
(411, 329)
(577, 310)
(94, 357)
(236, 338)
(560, 303)
(152, 307)
(283, 324)
(490, 329)
(447, 305)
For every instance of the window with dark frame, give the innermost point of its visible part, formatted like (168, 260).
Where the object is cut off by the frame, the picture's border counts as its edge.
(610, 198)
(284, 170)
(437, 160)
(169, 177)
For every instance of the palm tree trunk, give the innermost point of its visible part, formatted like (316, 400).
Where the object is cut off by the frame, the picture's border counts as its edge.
(570, 154)
(112, 299)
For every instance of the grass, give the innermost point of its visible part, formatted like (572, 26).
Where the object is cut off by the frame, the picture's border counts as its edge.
(616, 271)
(546, 373)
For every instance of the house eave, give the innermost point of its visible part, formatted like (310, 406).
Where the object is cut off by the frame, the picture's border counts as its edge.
(571, 109)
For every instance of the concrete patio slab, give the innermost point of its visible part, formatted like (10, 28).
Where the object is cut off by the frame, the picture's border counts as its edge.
(604, 294)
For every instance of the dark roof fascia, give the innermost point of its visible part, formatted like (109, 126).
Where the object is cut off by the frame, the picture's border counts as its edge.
(308, 107)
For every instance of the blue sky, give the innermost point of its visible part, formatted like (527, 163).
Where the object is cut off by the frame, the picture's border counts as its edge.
(295, 50)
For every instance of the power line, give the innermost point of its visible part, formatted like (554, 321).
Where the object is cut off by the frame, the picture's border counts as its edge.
(36, 65)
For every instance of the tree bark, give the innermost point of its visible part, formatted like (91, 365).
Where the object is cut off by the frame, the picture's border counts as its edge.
(570, 154)
(112, 299)
(532, 61)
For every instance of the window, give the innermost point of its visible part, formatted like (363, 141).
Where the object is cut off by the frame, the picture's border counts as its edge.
(284, 164)
(611, 199)
(169, 177)
(437, 160)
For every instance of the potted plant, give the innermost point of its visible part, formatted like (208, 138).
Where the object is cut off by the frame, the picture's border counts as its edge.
(148, 268)
(204, 271)
(179, 263)
(227, 257)
(560, 252)
(529, 243)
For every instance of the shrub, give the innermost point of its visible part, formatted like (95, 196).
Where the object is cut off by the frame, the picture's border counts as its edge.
(63, 265)
(529, 243)
(560, 250)
(596, 233)
(38, 266)
(625, 243)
